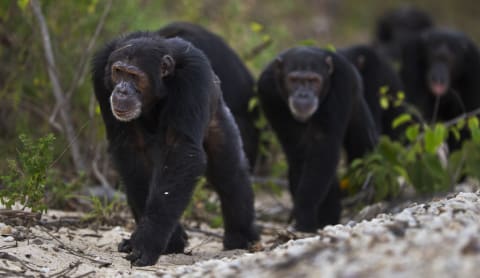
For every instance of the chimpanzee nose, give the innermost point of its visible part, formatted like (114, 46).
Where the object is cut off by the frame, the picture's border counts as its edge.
(303, 94)
(437, 79)
(121, 89)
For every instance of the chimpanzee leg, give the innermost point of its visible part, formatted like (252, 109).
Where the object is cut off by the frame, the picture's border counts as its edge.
(329, 211)
(136, 184)
(178, 241)
(227, 170)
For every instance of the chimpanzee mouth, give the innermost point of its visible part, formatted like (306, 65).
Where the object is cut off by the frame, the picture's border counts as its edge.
(126, 115)
(438, 89)
(302, 110)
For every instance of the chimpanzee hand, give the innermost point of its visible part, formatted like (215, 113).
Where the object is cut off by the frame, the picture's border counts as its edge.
(146, 243)
(241, 239)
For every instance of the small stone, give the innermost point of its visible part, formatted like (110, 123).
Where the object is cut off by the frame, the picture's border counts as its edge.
(472, 247)
(9, 239)
(37, 241)
(6, 230)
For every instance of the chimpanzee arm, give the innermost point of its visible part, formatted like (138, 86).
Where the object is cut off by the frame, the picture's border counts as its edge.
(317, 175)
(177, 167)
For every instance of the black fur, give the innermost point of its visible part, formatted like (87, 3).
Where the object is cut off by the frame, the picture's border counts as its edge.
(376, 73)
(313, 147)
(236, 81)
(395, 28)
(186, 132)
(437, 46)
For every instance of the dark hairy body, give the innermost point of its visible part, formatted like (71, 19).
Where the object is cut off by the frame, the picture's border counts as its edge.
(236, 81)
(377, 73)
(313, 100)
(440, 70)
(397, 27)
(167, 125)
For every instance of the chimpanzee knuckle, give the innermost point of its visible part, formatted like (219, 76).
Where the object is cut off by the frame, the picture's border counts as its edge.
(133, 255)
(125, 246)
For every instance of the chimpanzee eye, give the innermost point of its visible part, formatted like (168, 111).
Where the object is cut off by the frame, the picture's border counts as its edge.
(116, 71)
(133, 76)
(293, 79)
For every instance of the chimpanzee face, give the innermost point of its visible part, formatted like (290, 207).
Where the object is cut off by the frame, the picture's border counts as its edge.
(136, 81)
(443, 58)
(305, 75)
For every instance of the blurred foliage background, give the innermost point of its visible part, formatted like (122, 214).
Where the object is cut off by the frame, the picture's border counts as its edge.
(77, 28)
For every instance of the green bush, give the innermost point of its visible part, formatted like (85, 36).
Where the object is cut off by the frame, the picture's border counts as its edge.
(27, 177)
(417, 160)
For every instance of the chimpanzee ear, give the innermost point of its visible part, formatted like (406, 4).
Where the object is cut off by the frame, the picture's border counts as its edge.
(167, 66)
(329, 61)
(278, 66)
(278, 62)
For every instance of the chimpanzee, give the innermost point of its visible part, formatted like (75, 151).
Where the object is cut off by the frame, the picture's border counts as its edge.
(313, 101)
(440, 70)
(377, 73)
(167, 124)
(397, 27)
(236, 81)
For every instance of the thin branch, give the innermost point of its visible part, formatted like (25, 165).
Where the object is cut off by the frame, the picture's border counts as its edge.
(462, 117)
(75, 253)
(258, 49)
(79, 76)
(98, 174)
(86, 274)
(67, 122)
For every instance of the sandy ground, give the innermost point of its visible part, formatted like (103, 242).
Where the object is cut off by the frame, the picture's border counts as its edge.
(61, 248)
(440, 238)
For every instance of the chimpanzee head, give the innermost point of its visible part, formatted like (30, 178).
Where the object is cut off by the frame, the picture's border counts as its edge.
(398, 26)
(136, 71)
(444, 53)
(304, 74)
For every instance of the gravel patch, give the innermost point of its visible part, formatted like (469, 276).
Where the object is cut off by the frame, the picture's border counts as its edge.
(437, 239)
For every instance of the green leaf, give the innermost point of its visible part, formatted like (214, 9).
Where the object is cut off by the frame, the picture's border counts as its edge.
(397, 103)
(383, 90)
(331, 47)
(356, 163)
(384, 103)
(22, 4)
(434, 138)
(473, 123)
(476, 135)
(403, 118)
(460, 124)
(252, 103)
(307, 42)
(455, 132)
(256, 27)
(440, 133)
(400, 95)
(412, 132)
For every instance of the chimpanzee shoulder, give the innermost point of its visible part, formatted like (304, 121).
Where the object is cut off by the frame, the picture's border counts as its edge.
(377, 75)
(237, 83)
